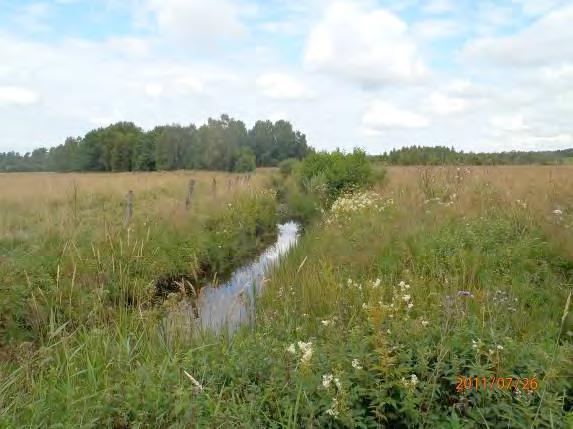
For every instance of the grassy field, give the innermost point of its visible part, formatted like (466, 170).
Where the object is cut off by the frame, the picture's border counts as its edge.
(389, 300)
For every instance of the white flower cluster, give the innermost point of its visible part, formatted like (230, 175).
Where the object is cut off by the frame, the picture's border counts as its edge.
(333, 410)
(356, 364)
(410, 383)
(327, 380)
(305, 350)
(347, 205)
(401, 300)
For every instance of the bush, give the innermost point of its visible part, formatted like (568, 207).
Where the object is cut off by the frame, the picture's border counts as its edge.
(287, 166)
(246, 161)
(337, 171)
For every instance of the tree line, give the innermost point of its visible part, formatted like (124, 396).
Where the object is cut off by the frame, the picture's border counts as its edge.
(441, 155)
(221, 144)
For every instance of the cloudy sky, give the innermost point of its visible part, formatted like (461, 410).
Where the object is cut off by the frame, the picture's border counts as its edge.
(476, 75)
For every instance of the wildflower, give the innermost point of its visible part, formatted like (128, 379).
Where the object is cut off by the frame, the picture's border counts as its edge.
(326, 322)
(333, 410)
(291, 349)
(337, 383)
(326, 380)
(499, 347)
(465, 293)
(413, 379)
(476, 344)
(406, 298)
(376, 283)
(557, 212)
(364, 306)
(306, 349)
(356, 364)
(410, 305)
(411, 383)
(424, 323)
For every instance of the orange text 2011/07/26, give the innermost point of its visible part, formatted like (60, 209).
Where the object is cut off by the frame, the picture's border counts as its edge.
(491, 383)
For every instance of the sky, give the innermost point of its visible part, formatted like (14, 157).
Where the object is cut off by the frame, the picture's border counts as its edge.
(476, 75)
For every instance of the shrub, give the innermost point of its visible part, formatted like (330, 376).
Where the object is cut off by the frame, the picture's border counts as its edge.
(338, 171)
(287, 166)
(246, 161)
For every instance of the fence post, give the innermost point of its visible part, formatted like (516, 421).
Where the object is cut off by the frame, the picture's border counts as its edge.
(214, 187)
(128, 209)
(190, 189)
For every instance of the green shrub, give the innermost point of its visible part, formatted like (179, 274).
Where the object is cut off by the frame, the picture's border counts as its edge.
(287, 166)
(246, 161)
(338, 172)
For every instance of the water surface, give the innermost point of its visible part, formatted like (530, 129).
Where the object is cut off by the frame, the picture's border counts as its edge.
(228, 305)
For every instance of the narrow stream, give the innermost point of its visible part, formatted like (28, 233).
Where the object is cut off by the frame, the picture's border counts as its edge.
(229, 304)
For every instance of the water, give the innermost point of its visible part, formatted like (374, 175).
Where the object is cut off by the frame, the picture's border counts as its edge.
(229, 305)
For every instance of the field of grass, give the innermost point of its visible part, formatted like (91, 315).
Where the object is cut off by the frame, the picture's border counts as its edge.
(388, 300)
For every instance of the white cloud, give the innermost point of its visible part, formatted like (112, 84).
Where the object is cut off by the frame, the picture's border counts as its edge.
(154, 89)
(382, 115)
(16, 95)
(282, 86)
(442, 104)
(198, 20)
(512, 123)
(434, 29)
(370, 46)
(438, 6)
(548, 40)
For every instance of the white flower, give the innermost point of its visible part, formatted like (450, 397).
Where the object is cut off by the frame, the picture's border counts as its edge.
(406, 298)
(333, 410)
(424, 323)
(499, 347)
(413, 379)
(557, 212)
(326, 322)
(364, 306)
(410, 305)
(326, 380)
(337, 382)
(291, 349)
(356, 364)
(411, 383)
(376, 283)
(306, 349)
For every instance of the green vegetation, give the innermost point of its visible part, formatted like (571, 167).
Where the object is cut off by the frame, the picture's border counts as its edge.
(336, 173)
(394, 292)
(222, 144)
(440, 155)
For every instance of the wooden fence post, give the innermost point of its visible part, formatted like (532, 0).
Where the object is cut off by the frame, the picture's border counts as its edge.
(190, 189)
(128, 209)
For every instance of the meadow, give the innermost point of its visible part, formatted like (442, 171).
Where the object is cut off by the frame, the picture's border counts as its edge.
(394, 297)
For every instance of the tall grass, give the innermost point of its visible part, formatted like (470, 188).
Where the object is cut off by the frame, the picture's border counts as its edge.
(368, 322)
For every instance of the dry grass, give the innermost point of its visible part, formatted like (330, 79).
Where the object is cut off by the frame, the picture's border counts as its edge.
(537, 190)
(34, 203)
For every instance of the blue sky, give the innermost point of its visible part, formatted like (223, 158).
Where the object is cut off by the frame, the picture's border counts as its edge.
(487, 75)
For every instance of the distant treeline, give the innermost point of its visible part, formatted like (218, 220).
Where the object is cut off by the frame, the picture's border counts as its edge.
(440, 155)
(221, 144)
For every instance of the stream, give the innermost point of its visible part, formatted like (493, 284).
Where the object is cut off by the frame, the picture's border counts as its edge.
(230, 304)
